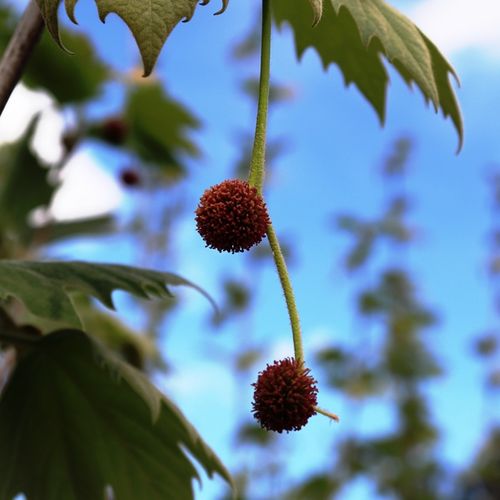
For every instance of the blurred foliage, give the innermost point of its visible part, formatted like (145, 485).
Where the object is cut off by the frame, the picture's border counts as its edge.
(60, 73)
(25, 186)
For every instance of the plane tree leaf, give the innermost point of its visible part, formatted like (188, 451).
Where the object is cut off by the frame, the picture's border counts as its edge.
(150, 21)
(44, 287)
(354, 34)
(74, 421)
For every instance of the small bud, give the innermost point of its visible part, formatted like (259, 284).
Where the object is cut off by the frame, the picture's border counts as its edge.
(130, 177)
(284, 396)
(114, 130)
(69, 141)
(232, 216)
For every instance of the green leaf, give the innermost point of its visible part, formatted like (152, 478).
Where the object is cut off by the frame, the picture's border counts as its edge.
(68, 78)
(91, 226)
(158, 126)
(24, 183)
(74, 420)
(353, 34)
(44, 287)
(150, 21)
(63, 75)
(141, 351)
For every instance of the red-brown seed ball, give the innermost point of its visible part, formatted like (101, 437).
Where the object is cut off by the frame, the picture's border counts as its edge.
(284, 396)
(232, 216)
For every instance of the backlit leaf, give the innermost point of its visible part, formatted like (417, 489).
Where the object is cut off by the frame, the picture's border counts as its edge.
(150, 21)
(353, 34)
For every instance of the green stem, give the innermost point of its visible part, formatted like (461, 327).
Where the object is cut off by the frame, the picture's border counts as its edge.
(257, 164)
(257, 172)
(288, 292)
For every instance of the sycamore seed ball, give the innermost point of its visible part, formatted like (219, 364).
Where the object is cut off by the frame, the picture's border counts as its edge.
(232, 216)
(284, 396)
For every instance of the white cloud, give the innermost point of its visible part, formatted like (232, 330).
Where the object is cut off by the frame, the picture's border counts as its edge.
(22, 106)
(455, 25)
(87, 190)
(47, 138)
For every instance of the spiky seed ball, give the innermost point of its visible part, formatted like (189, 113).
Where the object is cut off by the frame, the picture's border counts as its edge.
(232, 216)
(284, 396)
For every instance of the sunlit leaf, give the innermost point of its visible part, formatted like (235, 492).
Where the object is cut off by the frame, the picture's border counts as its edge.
(74, 420)
(150, 21)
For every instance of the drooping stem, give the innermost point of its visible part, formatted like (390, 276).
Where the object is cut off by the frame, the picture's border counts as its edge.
(257, 165)
(257, 174)
(18, 50)
(288, 292)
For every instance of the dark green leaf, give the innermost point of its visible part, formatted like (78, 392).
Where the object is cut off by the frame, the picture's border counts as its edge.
(55, 231)
(74, 420)
(44, 287)
(158, 126)
(24, 184)
(69, 78)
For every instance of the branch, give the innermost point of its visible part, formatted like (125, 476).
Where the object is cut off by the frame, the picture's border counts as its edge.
(19, 49)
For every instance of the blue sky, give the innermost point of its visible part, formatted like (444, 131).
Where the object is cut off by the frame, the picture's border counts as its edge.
(336, 145)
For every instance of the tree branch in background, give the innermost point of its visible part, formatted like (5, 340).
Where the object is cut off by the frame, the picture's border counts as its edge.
(19, 49)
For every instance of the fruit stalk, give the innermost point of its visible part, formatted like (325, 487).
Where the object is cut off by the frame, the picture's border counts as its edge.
(288, 292)
(257, 174)
(257, 164)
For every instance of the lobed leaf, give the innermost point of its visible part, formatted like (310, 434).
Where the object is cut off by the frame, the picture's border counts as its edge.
(44, 287)
(74, 421)
(354, 34)
(150, 21)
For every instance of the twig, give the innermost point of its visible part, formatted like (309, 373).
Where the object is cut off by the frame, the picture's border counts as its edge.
(327, 413)
(18, 50)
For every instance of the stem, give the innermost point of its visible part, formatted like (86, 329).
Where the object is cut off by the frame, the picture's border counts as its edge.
(327, 413)
(257, 164)
(288, 292)
(18, 50)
